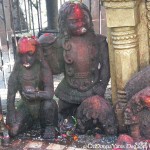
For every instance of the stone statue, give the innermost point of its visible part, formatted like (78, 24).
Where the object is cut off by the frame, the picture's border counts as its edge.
(81, 55)
(32, 77)
(137, 111)
(137, 115)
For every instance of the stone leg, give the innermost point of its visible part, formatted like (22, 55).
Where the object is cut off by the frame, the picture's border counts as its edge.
(48, 118)
(66, 116)
(23, 120)
(66, 109)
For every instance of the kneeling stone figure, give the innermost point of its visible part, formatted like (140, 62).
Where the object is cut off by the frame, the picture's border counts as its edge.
(83, 57)
(32, 77)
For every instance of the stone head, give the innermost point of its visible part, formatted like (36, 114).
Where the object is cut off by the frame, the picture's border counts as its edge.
(27, 51)
(74, 19)
(146, 101)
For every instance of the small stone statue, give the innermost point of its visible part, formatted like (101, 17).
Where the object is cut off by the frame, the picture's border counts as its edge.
(32, 77)
(137, 111)
(82, 56)
(137, 115)
(93, 112)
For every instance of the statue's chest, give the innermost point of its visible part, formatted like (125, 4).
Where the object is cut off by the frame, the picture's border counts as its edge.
(29, 78)
(81, 62)
(80, 52)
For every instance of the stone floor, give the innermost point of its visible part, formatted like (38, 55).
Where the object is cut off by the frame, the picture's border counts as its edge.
(38, 145)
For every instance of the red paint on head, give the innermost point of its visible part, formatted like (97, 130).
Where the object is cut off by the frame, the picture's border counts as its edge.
(26, 44)
(77, 12)
(146, 100)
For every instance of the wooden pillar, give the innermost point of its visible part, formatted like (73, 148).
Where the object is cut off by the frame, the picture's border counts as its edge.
(122, 21)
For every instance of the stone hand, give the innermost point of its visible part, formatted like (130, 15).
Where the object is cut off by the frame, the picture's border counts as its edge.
(30, 95)
(28, 89)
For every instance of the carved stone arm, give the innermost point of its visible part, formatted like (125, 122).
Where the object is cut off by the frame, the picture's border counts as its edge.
(12, 90)
(47, 80)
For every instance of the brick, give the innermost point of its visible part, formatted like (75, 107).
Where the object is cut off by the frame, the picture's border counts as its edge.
(34, 145)
(55, 147)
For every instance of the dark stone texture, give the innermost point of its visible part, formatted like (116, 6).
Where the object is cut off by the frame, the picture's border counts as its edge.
(137, 114)
(138, 82)
(32, 77)
(95, 111)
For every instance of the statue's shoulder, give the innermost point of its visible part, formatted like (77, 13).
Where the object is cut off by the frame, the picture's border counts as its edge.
(53, 53)
(101, 38)
(102, 43)
(47, 39)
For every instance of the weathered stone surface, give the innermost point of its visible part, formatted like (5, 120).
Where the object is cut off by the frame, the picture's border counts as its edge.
(126, 13)
(137, 115)
(143, 31)
(93, 112)
(138, 82)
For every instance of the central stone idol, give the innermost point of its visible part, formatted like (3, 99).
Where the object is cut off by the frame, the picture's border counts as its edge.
(83, 58)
